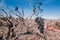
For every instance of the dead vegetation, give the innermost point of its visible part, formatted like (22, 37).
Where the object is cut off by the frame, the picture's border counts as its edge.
(21, 28)
(57, 24)
(29, 29)
(14, 31)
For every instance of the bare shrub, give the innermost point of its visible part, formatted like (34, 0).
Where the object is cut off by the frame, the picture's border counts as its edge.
(57, 24)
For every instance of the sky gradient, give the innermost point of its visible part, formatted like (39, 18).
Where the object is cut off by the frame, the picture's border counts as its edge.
(51, 8)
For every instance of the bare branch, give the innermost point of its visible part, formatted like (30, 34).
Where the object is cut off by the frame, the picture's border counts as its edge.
(37, 8)
(4, 12)
(22, 12)
(17, 10)
(1, 14)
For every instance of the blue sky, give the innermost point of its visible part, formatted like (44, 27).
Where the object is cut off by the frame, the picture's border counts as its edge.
(51, 8)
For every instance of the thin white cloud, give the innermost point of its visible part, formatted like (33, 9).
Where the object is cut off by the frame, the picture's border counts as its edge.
(50, 17)
(48, 1)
